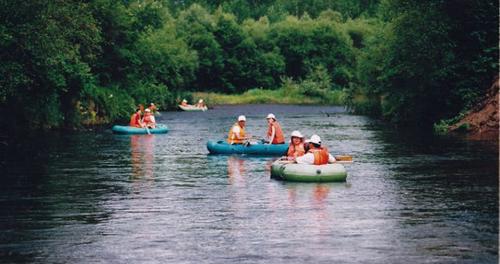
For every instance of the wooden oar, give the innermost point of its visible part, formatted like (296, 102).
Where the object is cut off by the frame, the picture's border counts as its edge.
(343, 159)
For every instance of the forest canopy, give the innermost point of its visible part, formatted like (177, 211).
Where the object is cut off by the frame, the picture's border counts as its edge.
(72, 63)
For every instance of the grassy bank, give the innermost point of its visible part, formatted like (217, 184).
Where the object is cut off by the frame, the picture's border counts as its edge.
(279, 96)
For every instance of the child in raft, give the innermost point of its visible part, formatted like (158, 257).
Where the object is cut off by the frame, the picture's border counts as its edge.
(149, 119)
(296, 147)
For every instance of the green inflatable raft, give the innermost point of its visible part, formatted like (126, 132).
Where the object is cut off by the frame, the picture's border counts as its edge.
(286, 171)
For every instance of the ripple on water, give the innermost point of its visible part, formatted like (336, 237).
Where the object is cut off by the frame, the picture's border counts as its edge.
(99, 197)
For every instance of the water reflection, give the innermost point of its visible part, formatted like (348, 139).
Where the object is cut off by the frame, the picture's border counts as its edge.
(142, 156)
(405, 200)
(236, 170)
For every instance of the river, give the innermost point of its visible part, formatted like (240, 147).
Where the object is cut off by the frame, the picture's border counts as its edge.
(96, 197)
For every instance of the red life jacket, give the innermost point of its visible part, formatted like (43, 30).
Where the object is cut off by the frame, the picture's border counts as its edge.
(279, 138)
(321, 155)
(296, 150)
(135, 120)
(149, 120)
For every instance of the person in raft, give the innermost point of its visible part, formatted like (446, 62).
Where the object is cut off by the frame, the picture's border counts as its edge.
(149, 119)
(135, 119)
(317, 154)
(200, 103)
(184, 102)
(153, 108)
(274, 132)
(237, 132)
(296, 147)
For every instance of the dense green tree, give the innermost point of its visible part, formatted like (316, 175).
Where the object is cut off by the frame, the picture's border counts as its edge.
(412, 62)
(270, 64)
(46, 49)
(432, 60)
(197, 27)
(307, 43)
(239, 54)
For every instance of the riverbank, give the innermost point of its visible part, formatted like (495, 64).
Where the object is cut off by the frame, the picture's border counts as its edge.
(480, 123)
(264, 96)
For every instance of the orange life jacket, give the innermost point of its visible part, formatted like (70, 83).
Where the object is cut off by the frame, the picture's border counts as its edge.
(279, 138)
(135, 120)
(232, 139)
(296, 150)
(321, 155)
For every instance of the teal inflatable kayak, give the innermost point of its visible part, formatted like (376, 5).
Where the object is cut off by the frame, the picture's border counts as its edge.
(160, 129)
(222, 147)
(308, 173)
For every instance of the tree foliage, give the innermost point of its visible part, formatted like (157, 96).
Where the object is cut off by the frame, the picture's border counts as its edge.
(428, 60)
(66, 63)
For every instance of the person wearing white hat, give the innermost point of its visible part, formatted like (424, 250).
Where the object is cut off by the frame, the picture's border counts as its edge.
(152, 107)
(237, 131)
(149, 119)
(296, 147)
(316, 154)
(200, 103)
(274, 131)
(184, 102)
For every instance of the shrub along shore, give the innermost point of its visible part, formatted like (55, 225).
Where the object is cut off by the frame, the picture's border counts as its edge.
(262, 96)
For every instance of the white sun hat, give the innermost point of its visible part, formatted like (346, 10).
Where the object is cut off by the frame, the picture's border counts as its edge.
(184, 100)
(147, 110)
(242, 118)
(296, 133)
(315, 139)
(271, 116)
(200, 101)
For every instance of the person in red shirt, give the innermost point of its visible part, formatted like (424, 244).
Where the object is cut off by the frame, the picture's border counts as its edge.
(296, 147)
(135, 119)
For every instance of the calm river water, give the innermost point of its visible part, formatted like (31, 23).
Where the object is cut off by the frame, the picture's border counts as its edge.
(95, 197)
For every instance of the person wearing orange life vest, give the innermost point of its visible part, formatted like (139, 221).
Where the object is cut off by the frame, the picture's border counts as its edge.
(135, 119)
(149, 119)
(296, 147)
(316, 155)
(237, 132)
(274, 132)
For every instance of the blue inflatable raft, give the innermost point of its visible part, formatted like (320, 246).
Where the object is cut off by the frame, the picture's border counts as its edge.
(160, 129)
(222, 147)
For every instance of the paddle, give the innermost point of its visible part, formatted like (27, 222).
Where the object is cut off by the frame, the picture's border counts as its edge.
(147, 130)
(343, 159)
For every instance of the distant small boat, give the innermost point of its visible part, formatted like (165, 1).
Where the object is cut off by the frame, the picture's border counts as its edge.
(192, 108)
(222, 147)
(160, 129)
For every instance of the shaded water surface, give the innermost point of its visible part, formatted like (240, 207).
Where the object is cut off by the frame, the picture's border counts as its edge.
(103, 198)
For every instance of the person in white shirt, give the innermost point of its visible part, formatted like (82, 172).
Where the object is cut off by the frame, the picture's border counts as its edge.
(316, 154)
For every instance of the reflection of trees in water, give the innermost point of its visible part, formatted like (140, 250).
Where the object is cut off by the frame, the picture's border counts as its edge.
(142, 155)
